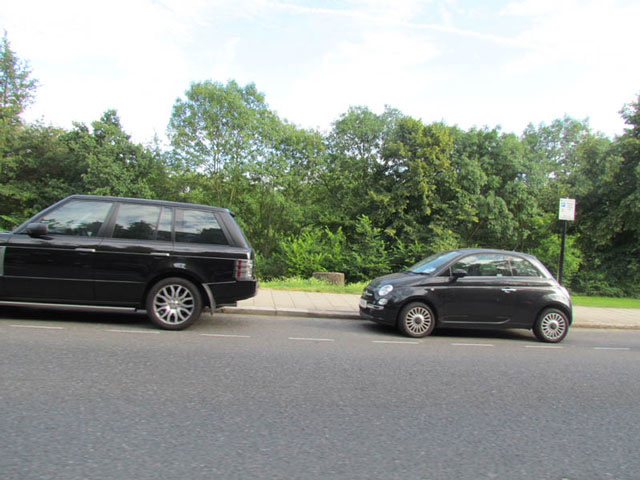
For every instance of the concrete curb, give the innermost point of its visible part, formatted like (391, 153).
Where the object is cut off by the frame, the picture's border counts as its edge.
(604, 326)
(342, 315)
(291, 312)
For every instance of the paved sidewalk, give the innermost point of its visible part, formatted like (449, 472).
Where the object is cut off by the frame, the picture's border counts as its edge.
(335, 305)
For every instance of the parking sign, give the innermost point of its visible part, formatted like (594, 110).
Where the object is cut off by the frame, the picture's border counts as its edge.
(567, 209)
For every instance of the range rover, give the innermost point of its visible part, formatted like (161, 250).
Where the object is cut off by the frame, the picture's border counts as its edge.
(107, 253)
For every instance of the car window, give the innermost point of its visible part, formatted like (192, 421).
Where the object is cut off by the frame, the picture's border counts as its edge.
(77, 217)
(484, 265)
(430, 264)
(524, 268)
(137, 222)
(198, 226)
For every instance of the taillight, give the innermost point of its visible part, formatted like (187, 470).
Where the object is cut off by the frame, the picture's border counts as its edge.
(243, 270)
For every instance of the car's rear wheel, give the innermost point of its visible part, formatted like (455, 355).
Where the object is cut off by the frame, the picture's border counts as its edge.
(174, 303)
(552, 326)
(416, 320)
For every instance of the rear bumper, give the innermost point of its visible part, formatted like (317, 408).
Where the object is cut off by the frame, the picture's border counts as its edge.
(231, 292)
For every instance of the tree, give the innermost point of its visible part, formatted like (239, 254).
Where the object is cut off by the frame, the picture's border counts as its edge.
(218, 130)
(353, 164)
(17, 88)
(417, 175)
(16, 92)
(609, 223)
(113, 164)
(231, 150)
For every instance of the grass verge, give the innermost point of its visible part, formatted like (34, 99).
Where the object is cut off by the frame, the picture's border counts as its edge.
(314, 285)
(606, 302)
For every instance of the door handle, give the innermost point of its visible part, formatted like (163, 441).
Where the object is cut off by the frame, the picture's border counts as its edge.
(509, 290)
(160, 254)
(86, 250)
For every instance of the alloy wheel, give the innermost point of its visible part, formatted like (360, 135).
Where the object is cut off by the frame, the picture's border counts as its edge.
(174, 304)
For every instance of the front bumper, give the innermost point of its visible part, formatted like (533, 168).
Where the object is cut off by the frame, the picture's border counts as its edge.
(384, 315)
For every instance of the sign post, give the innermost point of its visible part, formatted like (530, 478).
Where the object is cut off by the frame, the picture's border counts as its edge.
(566, 213)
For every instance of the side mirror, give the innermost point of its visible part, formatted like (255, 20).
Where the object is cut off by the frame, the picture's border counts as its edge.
(36, 230)
(459, 273)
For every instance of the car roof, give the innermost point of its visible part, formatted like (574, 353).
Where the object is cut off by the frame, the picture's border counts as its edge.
(465, 251)
(146, 201)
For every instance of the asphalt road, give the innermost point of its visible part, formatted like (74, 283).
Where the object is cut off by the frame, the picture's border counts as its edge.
(88, 396)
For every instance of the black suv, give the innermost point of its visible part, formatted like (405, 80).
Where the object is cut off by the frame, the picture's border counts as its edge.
(89, 252)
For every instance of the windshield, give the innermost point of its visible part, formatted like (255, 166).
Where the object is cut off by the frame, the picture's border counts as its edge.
(430, 264)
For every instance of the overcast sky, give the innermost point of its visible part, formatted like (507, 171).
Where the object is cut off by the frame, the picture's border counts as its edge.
(467, 63)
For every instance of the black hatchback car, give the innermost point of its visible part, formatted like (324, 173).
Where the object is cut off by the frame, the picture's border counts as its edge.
(471, 288)
(106, 253)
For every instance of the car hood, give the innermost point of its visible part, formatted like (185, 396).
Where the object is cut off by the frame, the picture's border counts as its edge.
(396, 279)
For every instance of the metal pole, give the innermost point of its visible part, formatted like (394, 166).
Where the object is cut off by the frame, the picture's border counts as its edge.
(564, 234)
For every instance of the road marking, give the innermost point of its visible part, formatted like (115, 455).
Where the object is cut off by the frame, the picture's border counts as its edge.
(313, 339)
(37, 326)
(542, 346)
(133, 331)
(473, 345)
(611, 348)
(395, 342)
(224, 336)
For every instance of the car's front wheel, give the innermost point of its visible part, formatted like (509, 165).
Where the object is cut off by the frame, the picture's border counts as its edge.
(552, 326)
(416, 320)
(174, 303)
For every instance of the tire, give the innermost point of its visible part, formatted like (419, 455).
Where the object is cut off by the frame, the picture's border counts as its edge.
(174, 303)
(551, 326)
(416, 320)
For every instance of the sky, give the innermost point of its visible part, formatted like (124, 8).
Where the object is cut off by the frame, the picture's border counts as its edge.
(467, 63)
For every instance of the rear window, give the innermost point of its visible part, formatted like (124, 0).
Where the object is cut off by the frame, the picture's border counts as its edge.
(524, 268)
(199, 226)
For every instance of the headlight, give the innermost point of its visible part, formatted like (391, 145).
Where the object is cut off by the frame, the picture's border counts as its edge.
(385, 290)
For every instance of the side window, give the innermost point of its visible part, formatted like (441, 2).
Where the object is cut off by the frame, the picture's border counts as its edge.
(137, 222)
(523, 268)
(78, 217)
(198, 226)
(484, 265)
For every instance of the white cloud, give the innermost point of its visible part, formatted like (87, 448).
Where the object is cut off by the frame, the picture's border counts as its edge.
(380, 68)
(100, 55)
(481, 65)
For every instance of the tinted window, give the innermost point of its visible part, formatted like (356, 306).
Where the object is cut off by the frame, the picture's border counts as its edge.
(77, 217)
(484, 265)
(197, 226)
(524, 268)
(137, 222)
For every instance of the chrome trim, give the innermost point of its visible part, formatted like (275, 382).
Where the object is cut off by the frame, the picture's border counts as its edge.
(159, 254)
(2, 249)
(66, 306)
(85, 250)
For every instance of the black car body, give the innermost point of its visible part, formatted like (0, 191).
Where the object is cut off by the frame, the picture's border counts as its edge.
(471, 288)
(170, 259)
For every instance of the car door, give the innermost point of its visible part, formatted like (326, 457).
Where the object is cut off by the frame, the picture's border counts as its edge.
(138, 244)
(485, 295)
(56, 267)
